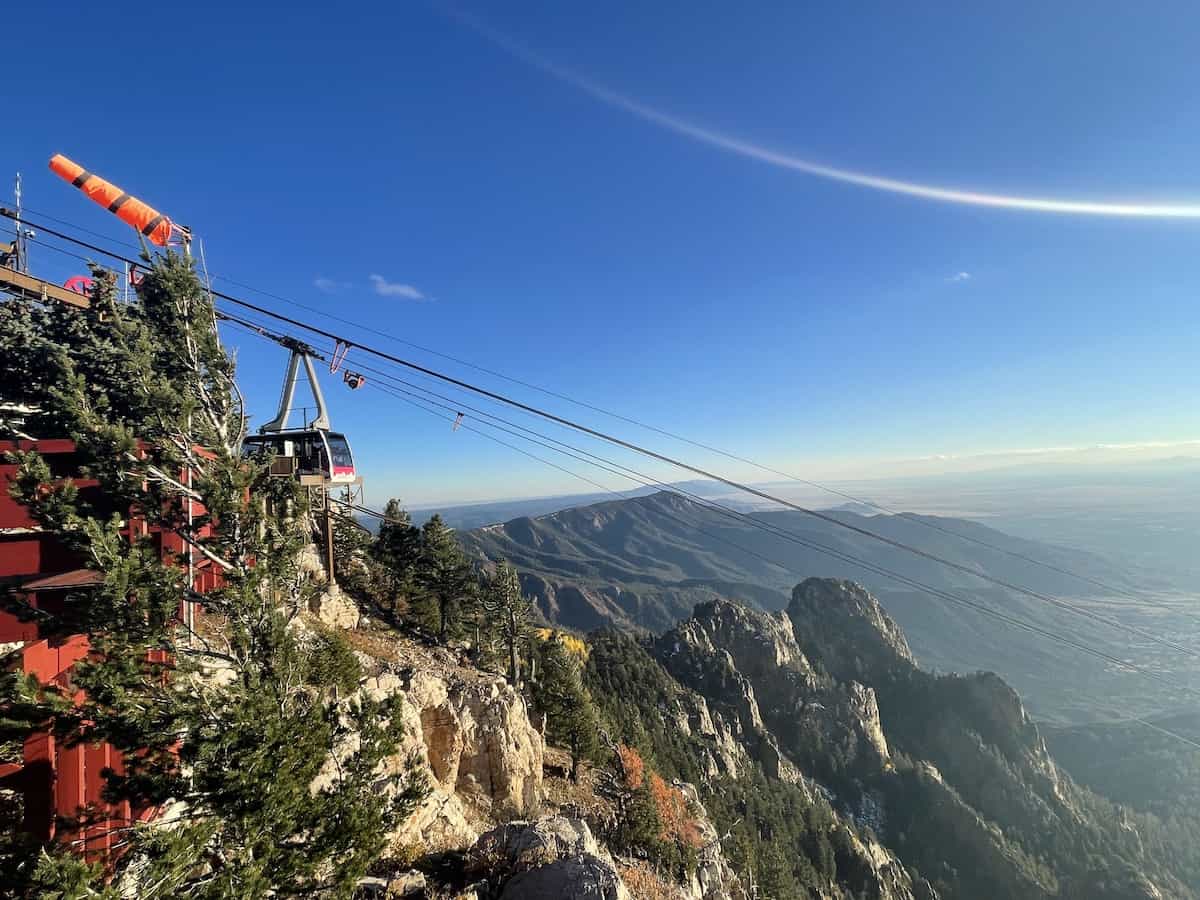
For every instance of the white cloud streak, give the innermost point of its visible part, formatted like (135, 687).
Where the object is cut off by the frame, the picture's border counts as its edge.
(959, 277)
(744, 148)
(385, 288)
(1131, 446)
(330, 285)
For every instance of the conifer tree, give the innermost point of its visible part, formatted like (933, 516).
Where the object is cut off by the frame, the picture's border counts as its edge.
(248, 733)
(445, 581)
(507, 612)
(559, 694)
(397, 550)
(352, 544)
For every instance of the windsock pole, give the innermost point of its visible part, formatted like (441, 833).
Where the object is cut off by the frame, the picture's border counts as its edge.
(21, 247)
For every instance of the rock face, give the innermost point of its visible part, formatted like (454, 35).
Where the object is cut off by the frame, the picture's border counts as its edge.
(713, 878)
(333, 608)
(479, 740)
(799, 692)
(723, 755)
(884, 875)
(751, 669)
(552, 858)
(788, 714)
(473, 738)
(896, 770)
(847, 629)
(584, 878)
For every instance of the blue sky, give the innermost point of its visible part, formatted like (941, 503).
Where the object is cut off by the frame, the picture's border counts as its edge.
(819, 326)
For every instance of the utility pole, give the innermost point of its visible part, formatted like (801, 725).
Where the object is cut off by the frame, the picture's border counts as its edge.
(329, 536)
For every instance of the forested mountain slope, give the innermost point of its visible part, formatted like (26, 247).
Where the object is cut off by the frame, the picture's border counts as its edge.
(840, 768)
(645, 562)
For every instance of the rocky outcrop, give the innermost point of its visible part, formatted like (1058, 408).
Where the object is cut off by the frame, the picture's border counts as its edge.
(722, 754)
(799, 691)
(334, 609)
(753, 672)
(478, 739)
(328, 604)
(481, 755)
(819, 696)
(713, 879)
(581, 878)
(881, 875)
(552, 858)
(843, 626)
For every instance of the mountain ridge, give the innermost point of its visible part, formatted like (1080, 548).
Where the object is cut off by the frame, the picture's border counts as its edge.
(937, 785)
(644, 562)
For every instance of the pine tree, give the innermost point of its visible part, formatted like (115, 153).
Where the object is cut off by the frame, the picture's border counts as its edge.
(639, 826)
(397, 550)
(445, 581)
(559, 694)
(226, 728)
(352, 544)
(507, 613)
(35, 337)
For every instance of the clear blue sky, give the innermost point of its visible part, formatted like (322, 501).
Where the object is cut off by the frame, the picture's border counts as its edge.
(567, 242)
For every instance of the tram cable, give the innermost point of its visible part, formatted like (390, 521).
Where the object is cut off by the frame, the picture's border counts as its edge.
(664, 458)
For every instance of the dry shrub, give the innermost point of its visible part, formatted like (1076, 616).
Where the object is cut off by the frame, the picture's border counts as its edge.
(646, 884)
(632, 765)
(406, 854)
(678, 823)
(376, 644)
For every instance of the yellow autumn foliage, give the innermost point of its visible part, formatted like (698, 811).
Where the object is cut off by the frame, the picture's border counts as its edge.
(576, 645)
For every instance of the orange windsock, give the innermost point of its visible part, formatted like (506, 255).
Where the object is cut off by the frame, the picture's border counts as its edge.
(130, 210)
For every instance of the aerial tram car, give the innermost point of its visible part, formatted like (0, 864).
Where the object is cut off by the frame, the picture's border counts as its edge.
(313, 453)
(317, 456)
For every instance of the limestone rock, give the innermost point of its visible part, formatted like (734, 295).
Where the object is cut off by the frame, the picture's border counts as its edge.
(519, 846)
(407, 884)
(547, 859)
(751, 669)
(888, 878)
(473, 738)
(578, 878)
(330, 605)
(714, 878)
(723, 755)
(335, 609)
(691, 652)
(863, 710)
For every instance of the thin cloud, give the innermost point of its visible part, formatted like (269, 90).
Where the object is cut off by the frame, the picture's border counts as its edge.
(744, 148)
(329, 285)
(385, 288)
(1064, 449)
(958, 277)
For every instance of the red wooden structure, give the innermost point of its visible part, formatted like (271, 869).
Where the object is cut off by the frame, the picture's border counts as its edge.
(59, 781)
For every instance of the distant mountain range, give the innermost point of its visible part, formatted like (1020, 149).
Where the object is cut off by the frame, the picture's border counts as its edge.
(476, 515)
(643, 563)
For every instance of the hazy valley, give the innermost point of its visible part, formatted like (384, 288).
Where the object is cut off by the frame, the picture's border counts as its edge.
(644, 562)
